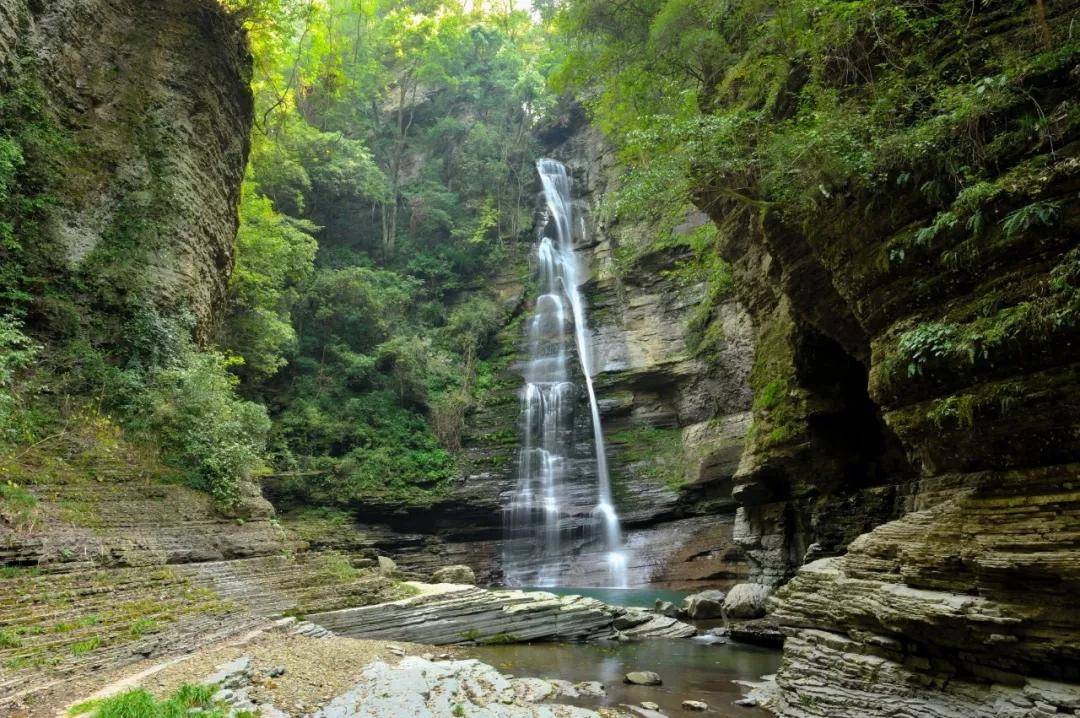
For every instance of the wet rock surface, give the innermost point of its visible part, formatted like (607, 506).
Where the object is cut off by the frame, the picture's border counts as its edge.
(746, 600)
(699, 606)
(643, 678)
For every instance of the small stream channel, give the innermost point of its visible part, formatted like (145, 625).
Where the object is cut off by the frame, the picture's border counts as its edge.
(690, 670)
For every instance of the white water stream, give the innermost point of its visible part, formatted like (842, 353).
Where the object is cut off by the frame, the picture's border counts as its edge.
(540, 513)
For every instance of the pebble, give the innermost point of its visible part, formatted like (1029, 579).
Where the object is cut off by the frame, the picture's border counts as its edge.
(695, 705)
(276, 671)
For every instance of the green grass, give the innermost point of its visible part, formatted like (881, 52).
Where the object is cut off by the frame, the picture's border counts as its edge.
(188, 700)
(9, 640)
(85, 646)
(142, 626)
(18, 506)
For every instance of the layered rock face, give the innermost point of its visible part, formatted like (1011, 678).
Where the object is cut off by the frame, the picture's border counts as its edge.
(674, 419)
(153, 103)
(928, 389)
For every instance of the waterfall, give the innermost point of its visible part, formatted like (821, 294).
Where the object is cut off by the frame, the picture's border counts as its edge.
(539, 517)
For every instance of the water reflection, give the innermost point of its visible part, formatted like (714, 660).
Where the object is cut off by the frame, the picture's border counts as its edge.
(689, 669)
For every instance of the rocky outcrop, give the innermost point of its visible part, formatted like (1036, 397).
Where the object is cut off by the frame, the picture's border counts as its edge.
(454, 574)
(117, 564)
(746, 600)
(446, 614)
(151, 111)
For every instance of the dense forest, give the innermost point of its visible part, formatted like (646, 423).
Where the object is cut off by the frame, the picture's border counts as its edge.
(391, 173)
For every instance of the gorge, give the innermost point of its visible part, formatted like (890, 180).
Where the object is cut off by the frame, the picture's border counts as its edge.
(296, 321)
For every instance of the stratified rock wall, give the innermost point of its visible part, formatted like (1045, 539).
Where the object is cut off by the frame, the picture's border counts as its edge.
(154, 103)
(675, 419)
(927, 396)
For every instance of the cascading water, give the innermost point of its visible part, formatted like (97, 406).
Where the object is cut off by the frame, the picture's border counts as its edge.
(540, 513)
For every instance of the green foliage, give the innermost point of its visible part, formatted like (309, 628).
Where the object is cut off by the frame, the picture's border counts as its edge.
(398, 136)
(1037, 214)
(926, 343)
(274, 253)
(204, 428)
(9, 639)
(187, 700)
(17, 352)
(142, 626)
(86, 645)
(797, 108)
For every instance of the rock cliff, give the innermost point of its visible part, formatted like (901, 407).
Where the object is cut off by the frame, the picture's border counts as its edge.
(916, 420)
(150, 105)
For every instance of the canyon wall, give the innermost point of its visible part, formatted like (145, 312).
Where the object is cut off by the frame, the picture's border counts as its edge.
(919, 399)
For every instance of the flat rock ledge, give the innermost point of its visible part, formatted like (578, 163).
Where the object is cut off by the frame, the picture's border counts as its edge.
(451, 613)
(419, 688)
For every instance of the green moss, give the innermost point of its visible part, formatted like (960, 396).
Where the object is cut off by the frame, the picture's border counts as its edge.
(779, 405)
(655, 453)
(961, 411)
(501, 639)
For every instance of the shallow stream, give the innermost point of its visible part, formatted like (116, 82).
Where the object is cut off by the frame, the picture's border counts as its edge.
(690, 670)
(631, 597)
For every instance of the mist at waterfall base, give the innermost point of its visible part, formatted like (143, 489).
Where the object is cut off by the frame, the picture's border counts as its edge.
(549, 521)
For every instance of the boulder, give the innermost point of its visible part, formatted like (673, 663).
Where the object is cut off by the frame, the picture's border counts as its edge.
(707, 604)
(643, 678)
(454, 574)
(666, 608)
(387, 567)
(746, 601)
(760, 632)
(650, 706)
(695, 706)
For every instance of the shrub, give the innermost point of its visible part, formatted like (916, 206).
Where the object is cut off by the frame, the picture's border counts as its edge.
(205, 430)
(18, 507)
